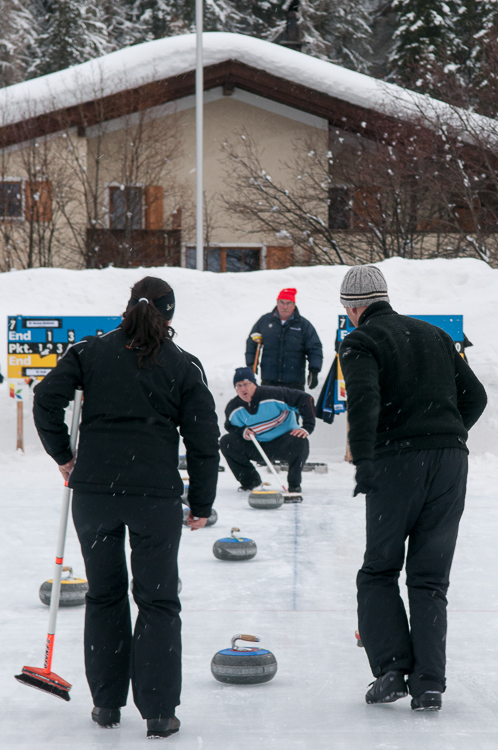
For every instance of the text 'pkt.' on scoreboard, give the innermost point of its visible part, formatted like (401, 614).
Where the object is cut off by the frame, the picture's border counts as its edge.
(34, 344)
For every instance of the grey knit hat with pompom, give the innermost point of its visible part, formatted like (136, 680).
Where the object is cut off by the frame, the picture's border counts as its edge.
(363, 285)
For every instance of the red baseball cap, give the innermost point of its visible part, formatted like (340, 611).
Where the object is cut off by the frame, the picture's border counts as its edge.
(289, 294)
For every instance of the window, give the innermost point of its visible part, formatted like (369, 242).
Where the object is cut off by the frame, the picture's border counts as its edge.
(125, 207)
(226, 259)
(339, 208)
(367, 208)
(10, 200)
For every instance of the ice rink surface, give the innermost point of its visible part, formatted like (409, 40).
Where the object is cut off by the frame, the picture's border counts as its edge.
(298, 595)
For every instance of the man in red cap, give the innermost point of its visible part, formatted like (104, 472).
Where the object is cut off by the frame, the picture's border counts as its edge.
(288, 340)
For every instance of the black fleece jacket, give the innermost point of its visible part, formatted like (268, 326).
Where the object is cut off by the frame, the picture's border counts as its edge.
(129, 438)
(407, 386)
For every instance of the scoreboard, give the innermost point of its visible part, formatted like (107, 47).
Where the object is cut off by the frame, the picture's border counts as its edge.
(452, 324)
(35, 343)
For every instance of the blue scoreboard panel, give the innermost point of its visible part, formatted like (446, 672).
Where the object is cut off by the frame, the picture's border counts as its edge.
(452, 324)
(35, 343)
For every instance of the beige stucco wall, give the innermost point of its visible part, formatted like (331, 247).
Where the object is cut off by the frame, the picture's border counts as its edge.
(170, 131)
(225, 117)
(49, 159)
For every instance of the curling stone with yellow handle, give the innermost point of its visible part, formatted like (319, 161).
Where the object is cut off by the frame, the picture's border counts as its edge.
(241, 665)
(265, 499)
(73, 590)
(235, 547)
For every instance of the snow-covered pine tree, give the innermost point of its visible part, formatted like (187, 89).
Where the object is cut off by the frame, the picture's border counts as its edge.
(424, 42)
(476, 27)
(153, 19)
(74, 32)
(336, 30)
(20, 27)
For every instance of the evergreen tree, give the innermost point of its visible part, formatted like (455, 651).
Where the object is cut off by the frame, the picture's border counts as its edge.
(449, 50)
(476, 27)
(425, 39)
(20, 28)
(74, 32)
(336, 30)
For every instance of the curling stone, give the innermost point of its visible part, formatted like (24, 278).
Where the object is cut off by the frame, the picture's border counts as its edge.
(265, 499)
(234, 547)
(241, 665)
(73, 590)
(210, 522)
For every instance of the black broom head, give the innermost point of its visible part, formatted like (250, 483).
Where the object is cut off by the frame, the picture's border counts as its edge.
(39, 684)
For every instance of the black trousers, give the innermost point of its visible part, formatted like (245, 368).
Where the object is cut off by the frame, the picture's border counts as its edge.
(151, 656)
(240, 452)
(419, 496)
(295, 386)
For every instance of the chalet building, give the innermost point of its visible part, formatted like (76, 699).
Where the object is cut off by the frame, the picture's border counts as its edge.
(97, 162)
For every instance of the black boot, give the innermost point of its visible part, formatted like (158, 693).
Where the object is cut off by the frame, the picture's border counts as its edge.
(429, 701)
(106, 717)
(387, 688)
(157, 728)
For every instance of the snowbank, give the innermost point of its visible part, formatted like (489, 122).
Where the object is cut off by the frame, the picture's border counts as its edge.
(172, 56)
(215, 313)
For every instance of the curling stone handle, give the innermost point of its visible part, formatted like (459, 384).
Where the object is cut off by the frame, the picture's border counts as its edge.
(68, 569)
(244, 637)
(234, 531)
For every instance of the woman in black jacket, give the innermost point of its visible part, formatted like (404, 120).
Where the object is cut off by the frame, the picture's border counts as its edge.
(139, 389)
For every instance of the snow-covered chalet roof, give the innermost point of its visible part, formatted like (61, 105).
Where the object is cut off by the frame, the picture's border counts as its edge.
(162, 59)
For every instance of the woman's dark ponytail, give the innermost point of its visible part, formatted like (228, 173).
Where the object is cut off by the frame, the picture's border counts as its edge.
(151, 305)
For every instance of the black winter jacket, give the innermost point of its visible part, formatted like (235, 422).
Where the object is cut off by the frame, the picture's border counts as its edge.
(129, 429)
(407, 386)
(285, 348)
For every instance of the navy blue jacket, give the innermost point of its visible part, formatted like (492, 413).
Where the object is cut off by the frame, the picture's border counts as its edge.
(286, 348)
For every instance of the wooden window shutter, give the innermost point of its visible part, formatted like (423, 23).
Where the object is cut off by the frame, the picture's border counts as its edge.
(176, 218)
(279, 257)
(366, 208)
(464, 214)
(38, 200)
(153, 207)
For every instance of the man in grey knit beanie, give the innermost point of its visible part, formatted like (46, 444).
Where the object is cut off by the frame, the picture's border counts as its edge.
(363, 285)
(411, 400)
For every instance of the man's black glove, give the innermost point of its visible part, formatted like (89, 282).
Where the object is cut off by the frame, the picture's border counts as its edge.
(313, 377)
(364, 477)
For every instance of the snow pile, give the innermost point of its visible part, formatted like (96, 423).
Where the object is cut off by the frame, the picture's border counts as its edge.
(215, 313)
(172, 56)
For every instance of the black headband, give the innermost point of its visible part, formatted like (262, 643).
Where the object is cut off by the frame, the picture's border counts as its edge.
(165, 304)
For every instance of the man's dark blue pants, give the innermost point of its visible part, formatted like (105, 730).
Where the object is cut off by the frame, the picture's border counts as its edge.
(240, 452)
(419, 496)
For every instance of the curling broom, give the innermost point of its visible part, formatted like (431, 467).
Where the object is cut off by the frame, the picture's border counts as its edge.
(43, 678)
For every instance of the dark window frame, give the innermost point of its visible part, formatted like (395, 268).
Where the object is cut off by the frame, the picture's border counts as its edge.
(340, 197)
(118, 215)
(19, 214)
(223, 258)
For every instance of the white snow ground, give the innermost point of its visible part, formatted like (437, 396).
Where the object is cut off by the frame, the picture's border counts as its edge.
(298, 594)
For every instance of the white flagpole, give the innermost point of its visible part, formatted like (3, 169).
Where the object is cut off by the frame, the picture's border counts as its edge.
(199, 133)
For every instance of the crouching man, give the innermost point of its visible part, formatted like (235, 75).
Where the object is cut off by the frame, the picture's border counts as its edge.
(268, 413)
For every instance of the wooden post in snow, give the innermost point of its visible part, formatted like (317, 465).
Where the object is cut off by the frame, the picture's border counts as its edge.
(20, 426)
